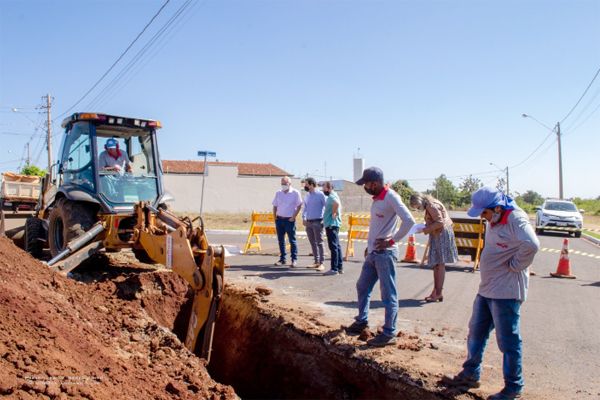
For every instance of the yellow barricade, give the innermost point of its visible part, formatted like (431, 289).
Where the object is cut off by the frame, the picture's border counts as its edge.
(262, 224)
(470, 238)
(469, 235)
(356, 231)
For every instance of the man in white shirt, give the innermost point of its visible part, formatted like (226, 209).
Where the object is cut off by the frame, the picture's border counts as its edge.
(286, 206)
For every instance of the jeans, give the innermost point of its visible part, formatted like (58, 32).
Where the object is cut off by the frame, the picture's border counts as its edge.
(504, 315)
(285, 226)
(379, 265)
(314, 231)
(333, 240)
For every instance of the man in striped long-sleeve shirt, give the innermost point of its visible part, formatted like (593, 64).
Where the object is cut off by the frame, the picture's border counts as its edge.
(381, 257)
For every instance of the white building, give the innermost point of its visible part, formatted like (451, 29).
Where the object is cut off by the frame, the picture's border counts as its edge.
(230, 187)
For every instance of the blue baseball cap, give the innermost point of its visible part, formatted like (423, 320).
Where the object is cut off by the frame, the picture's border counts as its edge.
(111, 144)
(488, 197)
(371, 174)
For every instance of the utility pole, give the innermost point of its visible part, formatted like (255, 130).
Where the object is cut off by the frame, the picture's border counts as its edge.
(48, 108)
(507, 185)
(560, 174)
(28, 161)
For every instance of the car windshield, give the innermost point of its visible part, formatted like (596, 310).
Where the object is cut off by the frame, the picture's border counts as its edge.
(560, 206)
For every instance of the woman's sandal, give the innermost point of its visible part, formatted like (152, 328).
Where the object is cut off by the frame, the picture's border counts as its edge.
(434, 299)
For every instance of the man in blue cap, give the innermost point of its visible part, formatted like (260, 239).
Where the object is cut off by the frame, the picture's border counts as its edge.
(113, 159)
(510, 246)
(381, 256)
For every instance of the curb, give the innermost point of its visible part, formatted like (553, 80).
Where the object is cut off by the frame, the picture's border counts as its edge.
(591, 239)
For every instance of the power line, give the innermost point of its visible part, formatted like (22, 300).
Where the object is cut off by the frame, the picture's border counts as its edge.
(533, 152)
(115, 63)
(105, 92)
(584, 92)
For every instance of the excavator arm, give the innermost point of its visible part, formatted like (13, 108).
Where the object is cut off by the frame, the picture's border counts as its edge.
(184, 249)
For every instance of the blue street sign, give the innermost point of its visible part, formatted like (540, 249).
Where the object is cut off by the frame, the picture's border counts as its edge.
(207, 154)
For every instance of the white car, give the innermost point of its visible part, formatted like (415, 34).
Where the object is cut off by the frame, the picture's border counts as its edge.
(560, 215)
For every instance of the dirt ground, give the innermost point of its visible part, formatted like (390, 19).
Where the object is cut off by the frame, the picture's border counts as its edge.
(61, 338)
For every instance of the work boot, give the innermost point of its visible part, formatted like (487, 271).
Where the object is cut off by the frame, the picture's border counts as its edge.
(460, 381)
(356, 328)
(505, 395)
(382, 340)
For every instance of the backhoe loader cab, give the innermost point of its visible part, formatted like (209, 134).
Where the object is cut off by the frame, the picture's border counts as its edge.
(84, 174)
(89, 185)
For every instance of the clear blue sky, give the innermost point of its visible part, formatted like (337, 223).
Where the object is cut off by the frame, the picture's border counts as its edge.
(421, 87)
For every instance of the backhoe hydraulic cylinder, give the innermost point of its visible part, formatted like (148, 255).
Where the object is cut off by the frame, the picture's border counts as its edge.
(77, 243)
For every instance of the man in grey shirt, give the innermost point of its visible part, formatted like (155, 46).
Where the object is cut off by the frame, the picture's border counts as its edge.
(510, 246)
(381, 256)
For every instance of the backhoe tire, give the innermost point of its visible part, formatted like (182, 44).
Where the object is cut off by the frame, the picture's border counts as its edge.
(34, 236)
(142, 256)
(67, 220)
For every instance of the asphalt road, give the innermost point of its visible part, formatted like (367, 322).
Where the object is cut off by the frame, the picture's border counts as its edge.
(560, 319)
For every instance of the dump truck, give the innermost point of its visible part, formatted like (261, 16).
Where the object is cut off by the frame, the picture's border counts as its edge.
(18, 198)
(105, 193)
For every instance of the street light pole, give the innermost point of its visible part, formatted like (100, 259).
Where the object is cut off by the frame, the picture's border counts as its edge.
(560, 169)
(206, 154)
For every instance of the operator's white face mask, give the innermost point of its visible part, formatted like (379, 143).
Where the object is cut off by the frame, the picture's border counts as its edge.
(496, 217)
(285, 187)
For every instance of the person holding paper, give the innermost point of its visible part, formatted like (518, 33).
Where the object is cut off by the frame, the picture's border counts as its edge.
(442, 246)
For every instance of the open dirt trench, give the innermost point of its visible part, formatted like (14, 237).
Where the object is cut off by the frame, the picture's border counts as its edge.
(107, 329)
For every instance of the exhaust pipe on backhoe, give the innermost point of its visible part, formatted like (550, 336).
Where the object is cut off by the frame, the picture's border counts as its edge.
(77, 244)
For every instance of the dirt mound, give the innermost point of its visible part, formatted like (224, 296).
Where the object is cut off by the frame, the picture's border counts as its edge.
(63, 338)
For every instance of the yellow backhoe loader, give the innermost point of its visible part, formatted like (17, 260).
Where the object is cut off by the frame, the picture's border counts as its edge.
(105, 192)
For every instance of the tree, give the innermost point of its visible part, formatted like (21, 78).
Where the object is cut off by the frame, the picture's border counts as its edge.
(33, 170)
(532, 197)
(402, 187)
(444, 190)
(468, 186)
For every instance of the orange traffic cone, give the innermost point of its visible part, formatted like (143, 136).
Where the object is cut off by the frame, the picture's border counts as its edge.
(411, 252)
(564, 265)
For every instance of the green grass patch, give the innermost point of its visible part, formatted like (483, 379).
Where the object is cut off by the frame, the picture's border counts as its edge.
(593, 234)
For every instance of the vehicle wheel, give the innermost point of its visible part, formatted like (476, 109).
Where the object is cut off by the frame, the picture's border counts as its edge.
(578, 234)
(34, 235)
(142, 256)
(67, 220)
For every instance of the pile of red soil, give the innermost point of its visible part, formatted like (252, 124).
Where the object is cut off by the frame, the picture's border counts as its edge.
(107, 339)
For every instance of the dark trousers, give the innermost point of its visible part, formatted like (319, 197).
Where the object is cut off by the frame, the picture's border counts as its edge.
(285, 226)
(333, 241)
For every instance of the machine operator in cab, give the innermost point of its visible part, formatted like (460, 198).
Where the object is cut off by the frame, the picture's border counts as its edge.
(112, 158)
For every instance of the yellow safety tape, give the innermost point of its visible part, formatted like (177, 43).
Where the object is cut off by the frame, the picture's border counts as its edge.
(564, 228)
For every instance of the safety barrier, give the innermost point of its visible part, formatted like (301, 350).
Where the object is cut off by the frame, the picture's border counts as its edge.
(470, 237)
(356, 231)
(263, 223)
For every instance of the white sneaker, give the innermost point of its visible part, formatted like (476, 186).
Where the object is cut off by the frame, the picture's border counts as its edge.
(331, 272)
(320, 267)
(278, 263)
(294, 264)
